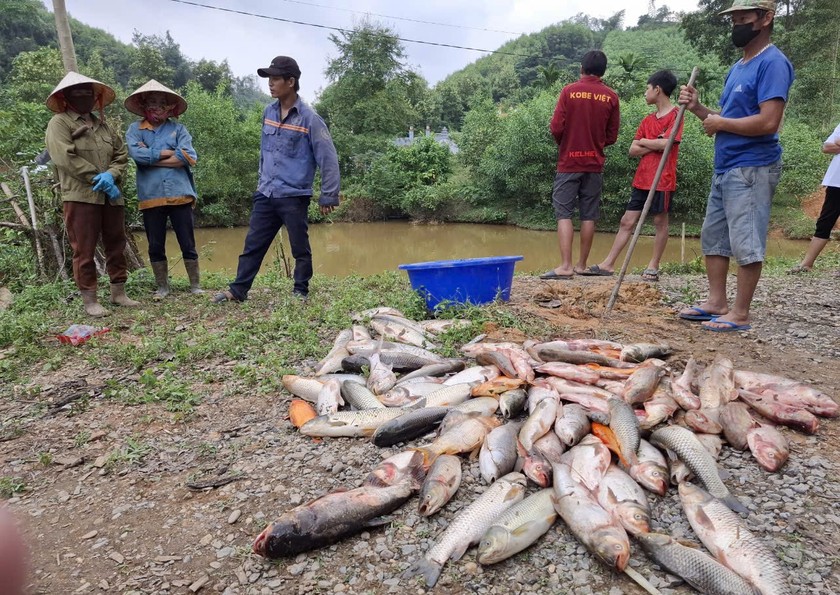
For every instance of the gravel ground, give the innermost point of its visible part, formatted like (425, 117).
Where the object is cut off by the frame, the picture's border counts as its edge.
(134, 527)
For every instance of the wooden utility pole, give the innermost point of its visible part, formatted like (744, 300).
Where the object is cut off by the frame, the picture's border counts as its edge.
(65, 39)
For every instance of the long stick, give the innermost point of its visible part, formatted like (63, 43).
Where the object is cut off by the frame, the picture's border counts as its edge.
(649, 201)
(24, 171)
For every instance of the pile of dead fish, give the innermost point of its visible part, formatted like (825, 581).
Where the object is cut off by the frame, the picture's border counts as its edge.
(573, 416)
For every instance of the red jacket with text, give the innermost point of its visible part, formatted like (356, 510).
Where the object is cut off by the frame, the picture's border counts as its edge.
(585, 121)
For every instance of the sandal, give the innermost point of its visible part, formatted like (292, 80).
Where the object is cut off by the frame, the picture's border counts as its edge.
(651, 275)
(223, 296)
(798, 269)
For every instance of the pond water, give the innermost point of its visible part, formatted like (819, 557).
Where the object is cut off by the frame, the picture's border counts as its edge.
(340, 249)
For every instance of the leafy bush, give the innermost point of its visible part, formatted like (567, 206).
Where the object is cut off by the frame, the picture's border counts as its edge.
(804, 164)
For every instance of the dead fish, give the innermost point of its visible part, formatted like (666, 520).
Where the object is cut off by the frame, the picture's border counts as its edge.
(651, 472)
(660, 407)
(467, 436)
(682, 387)
(481, 405)
(717, 384)
(619, 494)
(688, 448)
(535, 466)
(332, 361)
(729, 540)
(360, 333)
(551, 354)
(412, 424)
(694, 566)
(641, 385)
(704, 420)
(469, 526)
(512, 402)
(588, 461)
(498, 359)
(440, 369)
(625, 426)
(569, 372)
(393, 329)
(639, 352)
(305, 388)
(382, 377)
(520, 362)
(447, 396)
(593, 526)
(550, 447)
(768, 446)
(360, 396)
(518, 527)
(442, 481)
(329, 397)
(498, 452)
(607, 373)
(349, 424)
(572, 425)
(496, 386)
(539, 422)
(332, 517)
(781, 413)
(787, 391)
(736, 421)
(477, 374)
(369, 346)
(366, 315)
(300, 412)
(439, 326)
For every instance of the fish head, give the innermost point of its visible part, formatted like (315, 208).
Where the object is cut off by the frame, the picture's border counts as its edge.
(538, 469)
(693, 496)
(407, 466)
(651, 542)
(493, 545)
(612, 546)
(768, 447)
(260, 541)
(634, 518)
(432, 499)
(651, 476)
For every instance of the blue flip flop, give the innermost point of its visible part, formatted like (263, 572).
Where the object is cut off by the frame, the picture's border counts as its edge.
(731, 327)
(701, 314)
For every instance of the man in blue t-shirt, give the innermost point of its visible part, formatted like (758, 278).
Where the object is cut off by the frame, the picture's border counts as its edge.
(747, 164)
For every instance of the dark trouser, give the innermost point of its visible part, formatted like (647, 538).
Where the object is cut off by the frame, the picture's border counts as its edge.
(181, 216)
(829, 214)
(267, 217)
(85, 223)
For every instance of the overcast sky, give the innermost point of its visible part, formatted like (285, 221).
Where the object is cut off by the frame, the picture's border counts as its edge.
(248, 42)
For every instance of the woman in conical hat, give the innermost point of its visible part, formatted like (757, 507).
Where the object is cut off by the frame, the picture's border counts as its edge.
(163, 151)
(90, 159)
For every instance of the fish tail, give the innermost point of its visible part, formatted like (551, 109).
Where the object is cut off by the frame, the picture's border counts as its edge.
(429, 455)
(734, 504)
(428, 569)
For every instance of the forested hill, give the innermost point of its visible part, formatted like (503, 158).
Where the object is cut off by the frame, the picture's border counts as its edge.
(26, 26)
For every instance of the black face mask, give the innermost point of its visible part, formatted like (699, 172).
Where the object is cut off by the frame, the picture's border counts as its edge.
(743, 34)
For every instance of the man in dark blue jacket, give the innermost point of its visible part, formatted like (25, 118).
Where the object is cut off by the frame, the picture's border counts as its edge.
(294, 142)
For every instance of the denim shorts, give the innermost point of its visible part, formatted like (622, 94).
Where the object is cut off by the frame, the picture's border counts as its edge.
(582, 190)
(738, 213)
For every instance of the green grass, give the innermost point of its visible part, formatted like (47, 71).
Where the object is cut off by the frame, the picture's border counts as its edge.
(10, 486)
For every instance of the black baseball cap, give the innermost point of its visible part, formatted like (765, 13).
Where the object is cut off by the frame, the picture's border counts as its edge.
(281, 66)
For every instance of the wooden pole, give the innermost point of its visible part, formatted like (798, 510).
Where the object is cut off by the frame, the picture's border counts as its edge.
(65, 39)
(682, 245)
(649, 201)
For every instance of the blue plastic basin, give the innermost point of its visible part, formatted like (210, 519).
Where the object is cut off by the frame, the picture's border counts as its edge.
(467, 281)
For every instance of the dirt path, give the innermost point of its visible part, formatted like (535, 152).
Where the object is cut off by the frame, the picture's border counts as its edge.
(107, 508)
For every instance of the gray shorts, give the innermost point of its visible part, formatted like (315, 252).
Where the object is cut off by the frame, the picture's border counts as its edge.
(582, 190)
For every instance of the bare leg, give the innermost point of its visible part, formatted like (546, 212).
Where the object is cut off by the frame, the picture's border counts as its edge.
(814, 248)
(717, 267)
(660, 220)
(748, 276)
(565, 235)
(587, 234)
(625, 231)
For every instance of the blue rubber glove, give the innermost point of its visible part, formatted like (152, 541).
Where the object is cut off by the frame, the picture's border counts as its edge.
(102, 181)
(113, 192)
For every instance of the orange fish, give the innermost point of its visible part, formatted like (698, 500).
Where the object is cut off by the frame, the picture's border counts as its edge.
(497, 386)
(300, 412)
(606, 435)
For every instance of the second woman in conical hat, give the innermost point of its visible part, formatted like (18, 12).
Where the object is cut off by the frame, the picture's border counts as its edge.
(163, 151)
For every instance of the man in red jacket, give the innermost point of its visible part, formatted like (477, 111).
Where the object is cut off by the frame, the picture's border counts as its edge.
(585, 120)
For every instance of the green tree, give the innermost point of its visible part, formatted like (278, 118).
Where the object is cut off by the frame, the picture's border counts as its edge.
(25, 26)
(148, 62)
(210, 75)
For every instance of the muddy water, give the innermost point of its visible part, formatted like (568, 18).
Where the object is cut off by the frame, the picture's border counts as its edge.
(340, 249)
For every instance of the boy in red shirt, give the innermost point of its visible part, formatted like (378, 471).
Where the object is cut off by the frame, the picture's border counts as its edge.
(585, 120)
(649, 142)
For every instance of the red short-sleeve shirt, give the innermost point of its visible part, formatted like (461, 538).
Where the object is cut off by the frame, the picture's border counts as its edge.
(653, 127)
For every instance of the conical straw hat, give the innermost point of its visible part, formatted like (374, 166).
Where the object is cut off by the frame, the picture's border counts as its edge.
(134, 104)
(104, 94)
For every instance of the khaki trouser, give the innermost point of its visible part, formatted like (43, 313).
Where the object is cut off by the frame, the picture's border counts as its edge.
(85, 223)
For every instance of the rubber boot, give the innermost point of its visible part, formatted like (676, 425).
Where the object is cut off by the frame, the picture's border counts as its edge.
(92, 306)
(161, 271)
(192, 273)
(118, 296)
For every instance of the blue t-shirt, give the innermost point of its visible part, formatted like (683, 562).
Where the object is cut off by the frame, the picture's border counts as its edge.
(767, 76)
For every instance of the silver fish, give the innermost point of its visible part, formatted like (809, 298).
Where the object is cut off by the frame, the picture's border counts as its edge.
(469, 526)
(332, 361)
(382, 377)
(512, 402)
(359, 396)
(736, 421)
(305, 388)
(768, 446)
(619, 494)
(651, 472)
(572, 425)
(688, 448)
(329, 398)
(442, 481)
(694, 566)
(518, 527)
(448, 396)
(625, 426)
(349, 424)
(640, 352)
(498, 452)
(539, 422)
(413, 423)
(729, 540)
